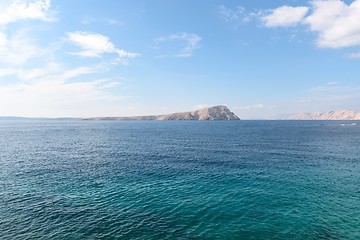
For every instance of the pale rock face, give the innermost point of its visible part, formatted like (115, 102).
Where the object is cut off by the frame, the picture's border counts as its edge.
(210, 113)
(332, 115)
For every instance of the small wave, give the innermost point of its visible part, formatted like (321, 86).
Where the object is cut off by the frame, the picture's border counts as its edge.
(348, 124)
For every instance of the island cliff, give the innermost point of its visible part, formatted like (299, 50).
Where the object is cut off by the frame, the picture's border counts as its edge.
(332, 115)
(210, 113)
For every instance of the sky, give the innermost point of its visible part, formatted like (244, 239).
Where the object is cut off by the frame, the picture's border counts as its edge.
(261, 58)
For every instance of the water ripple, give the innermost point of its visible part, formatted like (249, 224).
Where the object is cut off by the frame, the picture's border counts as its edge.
(179, 180)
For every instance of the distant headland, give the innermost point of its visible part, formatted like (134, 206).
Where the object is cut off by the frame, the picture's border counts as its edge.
(332, 115)
(209, 113)
(219, 112)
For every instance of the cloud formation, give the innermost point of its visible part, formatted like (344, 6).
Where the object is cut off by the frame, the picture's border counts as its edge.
(35, 82)
(229, 14)
(284, 16)
(192, 42)
(51, 90)
(18, 48)
(109, 21)
(56, 98)
(250, 107)
(337, 24)
(24, 10)
(354, 55)
(95, 45)
(330, 97)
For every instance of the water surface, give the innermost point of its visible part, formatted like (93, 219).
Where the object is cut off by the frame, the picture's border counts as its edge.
(179, 180)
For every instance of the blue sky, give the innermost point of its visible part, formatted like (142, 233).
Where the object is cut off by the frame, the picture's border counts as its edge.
(261, 58)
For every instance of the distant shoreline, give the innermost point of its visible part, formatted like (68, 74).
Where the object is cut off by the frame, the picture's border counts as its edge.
(137, 120)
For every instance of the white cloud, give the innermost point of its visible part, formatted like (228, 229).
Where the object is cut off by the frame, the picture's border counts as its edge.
(229, 14)
(31, 74)
(78, 72)
(333, 83)
(7, 72)
(109, 21)
(192, 42)
(237, 15)
(49, 71)
(336, 23)
(284, 16)
(18, 48)
(354, 55)
(13, 11)
(35, 83)
(3, 41)
(251, 107)
(330, 97)
(95, 45)
(51, 94)
(55, 98)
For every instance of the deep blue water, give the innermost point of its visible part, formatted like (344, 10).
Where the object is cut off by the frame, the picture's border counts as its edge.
(179, 180)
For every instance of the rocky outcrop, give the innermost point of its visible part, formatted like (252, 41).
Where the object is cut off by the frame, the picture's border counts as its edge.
(210, 113)
(332, 115)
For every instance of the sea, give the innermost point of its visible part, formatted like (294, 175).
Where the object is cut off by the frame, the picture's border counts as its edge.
(74, 179)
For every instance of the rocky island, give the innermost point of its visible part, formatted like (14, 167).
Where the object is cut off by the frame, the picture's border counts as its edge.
(332, 115)
(209, 113)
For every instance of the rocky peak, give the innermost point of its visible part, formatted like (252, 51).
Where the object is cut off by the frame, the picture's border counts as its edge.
(208, 113)
(215, 113)
(332, 115)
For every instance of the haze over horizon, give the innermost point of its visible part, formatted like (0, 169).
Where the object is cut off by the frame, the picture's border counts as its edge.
(130, 58)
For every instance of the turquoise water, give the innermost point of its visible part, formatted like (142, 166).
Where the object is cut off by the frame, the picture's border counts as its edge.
(179, 180)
